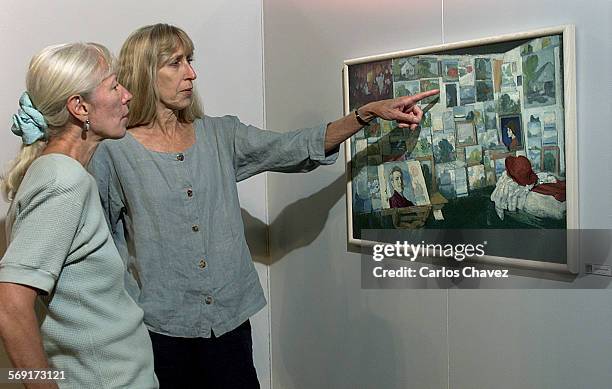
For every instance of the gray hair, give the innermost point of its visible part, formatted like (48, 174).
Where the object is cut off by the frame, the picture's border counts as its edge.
(55, 74)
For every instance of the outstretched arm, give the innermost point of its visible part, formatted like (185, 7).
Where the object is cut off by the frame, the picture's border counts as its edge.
(404, 110)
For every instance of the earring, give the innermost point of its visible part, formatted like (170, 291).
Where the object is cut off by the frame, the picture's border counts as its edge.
(86, 125)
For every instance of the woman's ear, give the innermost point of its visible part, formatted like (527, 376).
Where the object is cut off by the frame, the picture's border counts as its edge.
(78, 107)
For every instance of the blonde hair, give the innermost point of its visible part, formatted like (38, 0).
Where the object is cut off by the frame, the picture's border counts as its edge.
(144, 52)
(55, 74)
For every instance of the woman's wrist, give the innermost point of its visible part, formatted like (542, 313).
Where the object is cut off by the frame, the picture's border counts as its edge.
(365, 114)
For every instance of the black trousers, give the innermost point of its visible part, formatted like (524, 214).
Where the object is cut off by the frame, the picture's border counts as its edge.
(224, 362)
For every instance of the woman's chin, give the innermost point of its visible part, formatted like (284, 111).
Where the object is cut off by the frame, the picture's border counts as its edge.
(180, 105)
(120, 133)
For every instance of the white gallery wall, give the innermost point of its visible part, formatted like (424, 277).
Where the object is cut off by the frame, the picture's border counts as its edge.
(329, 333)
(228, 60)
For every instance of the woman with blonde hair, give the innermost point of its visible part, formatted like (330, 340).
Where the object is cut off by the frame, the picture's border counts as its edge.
(63, 303)
(169, 191)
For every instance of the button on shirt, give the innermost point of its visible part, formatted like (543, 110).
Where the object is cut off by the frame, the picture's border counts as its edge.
(171, 212)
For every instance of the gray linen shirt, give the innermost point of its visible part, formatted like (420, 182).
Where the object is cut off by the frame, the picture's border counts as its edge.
(175, 218)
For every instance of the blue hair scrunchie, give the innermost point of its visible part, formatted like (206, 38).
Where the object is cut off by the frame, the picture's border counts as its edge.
(28, 122)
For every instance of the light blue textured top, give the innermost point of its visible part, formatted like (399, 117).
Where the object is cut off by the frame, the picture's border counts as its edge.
(175, 218)
(61, 245)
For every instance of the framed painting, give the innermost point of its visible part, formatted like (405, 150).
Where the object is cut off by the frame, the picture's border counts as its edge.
(506, 113)
(550, 159)
(512, 131)
(429, 174)
(466, 133)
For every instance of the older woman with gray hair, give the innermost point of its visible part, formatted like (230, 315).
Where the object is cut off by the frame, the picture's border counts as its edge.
(63, 303)
(169, 191)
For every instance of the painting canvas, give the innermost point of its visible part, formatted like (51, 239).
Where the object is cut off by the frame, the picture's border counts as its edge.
(406, 88)
(372, 130)
(490, 120)
(402, 185)
(507, 76)
(534, 126)
(448, 121)
(466, 133)
(467, 94)
(483, 68)
(443, 147)
(405, 69)
(488, 139)
(550, 159)
(466, 71)
(446, 181)
(473, 155)
(461, 182)
(386, 126)
(427, 85)
(484, 90)
(476, 176)
(362, 201)
(450, 70)
(374, 187)
(428, 67)
(512, 132)
(500, 167)
(501, 98)
(393, 146)
(429, 174)
(370, 82)
(451, 95)
(509, 102)
(549, 136)
(539, 77)
(423, 146)
(535, 157)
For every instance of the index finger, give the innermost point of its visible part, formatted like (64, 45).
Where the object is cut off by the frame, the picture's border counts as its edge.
(422, 95)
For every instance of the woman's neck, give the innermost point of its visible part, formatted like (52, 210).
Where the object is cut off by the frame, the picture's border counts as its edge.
(73, 142)
(166, 133)
(167, 123)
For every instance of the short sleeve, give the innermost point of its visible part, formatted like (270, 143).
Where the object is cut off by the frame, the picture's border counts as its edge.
(45, 225)
(102, 168)
(256, 150)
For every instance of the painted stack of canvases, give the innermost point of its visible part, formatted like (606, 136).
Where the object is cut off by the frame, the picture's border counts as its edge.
(495, 101)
